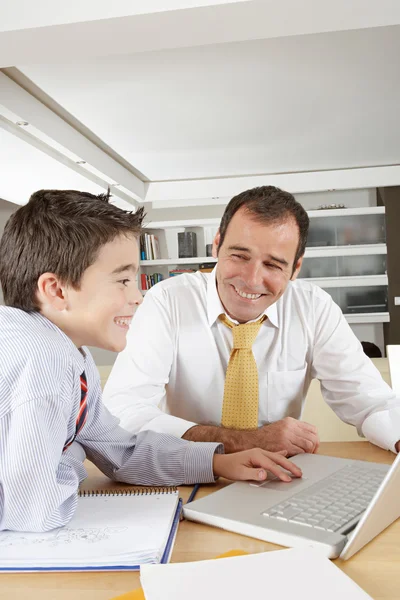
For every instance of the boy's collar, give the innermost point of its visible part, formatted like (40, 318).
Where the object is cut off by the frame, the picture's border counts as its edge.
(79, 354)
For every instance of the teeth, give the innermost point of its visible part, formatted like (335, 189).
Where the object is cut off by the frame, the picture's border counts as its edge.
(250, 296)
(123, 321)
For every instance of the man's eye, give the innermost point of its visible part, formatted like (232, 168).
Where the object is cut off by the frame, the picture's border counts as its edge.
(272, 266)
(237, 256)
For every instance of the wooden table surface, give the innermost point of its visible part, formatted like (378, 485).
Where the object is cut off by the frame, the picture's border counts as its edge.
(376, 568)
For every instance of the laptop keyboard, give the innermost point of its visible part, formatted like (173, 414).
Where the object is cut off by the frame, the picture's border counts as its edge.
(332, 503)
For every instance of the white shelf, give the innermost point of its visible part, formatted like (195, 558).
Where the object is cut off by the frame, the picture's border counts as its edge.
(196, 260)
(368, 318)
(317, 251)
(214, 222)
(345, 212)
(357, 281)
(183, 223)
(362, 249)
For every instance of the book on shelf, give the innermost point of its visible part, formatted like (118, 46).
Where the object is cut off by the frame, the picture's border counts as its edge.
(111, 530)
(187, 244)
(147, 281)
(149, 247)
(207, 267)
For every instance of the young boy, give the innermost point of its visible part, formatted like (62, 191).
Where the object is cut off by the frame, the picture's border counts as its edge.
(68, 264)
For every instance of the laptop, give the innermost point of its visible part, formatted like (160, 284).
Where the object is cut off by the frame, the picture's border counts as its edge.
(338, 506)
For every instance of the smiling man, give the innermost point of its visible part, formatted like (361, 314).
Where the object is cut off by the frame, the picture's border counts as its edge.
(229, 356)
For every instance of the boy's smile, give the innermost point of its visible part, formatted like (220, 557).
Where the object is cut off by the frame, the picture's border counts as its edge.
(123, 322)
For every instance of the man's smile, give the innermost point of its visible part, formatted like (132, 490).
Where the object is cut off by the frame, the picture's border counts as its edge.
(247, 296)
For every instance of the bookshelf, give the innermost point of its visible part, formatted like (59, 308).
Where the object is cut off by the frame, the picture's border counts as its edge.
(345, 255)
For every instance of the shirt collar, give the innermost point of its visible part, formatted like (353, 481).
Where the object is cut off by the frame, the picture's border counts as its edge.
(215, 308)
(78, 354)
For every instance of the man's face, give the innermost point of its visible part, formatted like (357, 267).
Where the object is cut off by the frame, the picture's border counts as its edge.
(255, 264)
(100, 311)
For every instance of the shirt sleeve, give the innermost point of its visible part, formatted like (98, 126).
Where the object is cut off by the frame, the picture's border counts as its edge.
(136, 386)
(39, 482)
(350, 383)
(147, 458)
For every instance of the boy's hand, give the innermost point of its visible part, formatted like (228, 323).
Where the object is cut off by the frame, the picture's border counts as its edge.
(253, 465)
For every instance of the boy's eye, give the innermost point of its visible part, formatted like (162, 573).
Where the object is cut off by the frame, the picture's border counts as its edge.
(124, 281)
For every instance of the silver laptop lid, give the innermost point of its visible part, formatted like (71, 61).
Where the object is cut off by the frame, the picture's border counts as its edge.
(382, 511)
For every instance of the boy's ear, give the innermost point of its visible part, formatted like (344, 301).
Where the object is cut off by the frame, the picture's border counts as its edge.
(216, 244)
(51, 291)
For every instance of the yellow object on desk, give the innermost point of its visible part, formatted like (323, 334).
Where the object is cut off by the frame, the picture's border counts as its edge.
(139, 595)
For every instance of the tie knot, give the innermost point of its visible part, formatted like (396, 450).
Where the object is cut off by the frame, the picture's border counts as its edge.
(245, 334)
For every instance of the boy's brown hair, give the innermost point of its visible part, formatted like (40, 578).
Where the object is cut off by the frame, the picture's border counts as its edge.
(60, 232)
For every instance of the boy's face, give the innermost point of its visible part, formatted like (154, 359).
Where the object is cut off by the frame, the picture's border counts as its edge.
(99, 313)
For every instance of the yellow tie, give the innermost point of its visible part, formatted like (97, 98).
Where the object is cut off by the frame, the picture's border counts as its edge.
(240, 407)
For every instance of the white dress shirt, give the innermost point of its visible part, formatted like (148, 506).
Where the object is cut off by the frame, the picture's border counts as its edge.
(171, 374)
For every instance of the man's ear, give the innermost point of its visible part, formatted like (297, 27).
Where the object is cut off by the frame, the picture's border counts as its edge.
(216, 244)
(297, 268)
(51, 292)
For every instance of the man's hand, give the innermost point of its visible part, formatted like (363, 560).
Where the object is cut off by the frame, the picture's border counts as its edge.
(253, 465)
(290, 435)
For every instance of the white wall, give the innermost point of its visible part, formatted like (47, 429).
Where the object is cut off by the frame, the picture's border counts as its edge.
(103, 357)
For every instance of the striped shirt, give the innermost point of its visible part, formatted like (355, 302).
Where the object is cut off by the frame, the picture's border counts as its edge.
(40, 395)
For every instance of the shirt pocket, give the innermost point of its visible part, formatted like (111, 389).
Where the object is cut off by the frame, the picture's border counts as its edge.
(285, 394)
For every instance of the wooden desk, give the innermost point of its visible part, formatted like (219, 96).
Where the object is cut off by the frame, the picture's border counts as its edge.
(376, 568)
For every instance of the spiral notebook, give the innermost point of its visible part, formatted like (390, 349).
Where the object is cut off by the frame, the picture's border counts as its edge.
(111, 530)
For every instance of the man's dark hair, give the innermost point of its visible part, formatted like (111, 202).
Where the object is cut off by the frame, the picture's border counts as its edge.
(268, 204)
(60, 232)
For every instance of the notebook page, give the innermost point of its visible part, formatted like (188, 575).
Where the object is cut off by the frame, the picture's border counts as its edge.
(301, 574)
(103, 529)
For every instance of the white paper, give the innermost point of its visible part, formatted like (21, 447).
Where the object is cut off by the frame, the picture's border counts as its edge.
(300, 574)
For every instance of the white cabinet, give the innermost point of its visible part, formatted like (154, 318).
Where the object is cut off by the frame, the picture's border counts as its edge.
(345, 254)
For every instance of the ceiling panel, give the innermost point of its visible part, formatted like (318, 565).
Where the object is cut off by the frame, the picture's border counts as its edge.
(24, 170)
(21, 14)
(310, 102)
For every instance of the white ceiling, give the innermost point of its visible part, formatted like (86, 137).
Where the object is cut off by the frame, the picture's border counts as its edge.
(55, 31)
(312, 102)
(318, 90)
(25, 14)
(25, 170)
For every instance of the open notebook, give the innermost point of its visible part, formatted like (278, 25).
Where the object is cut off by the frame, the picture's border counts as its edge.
(110, 530)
